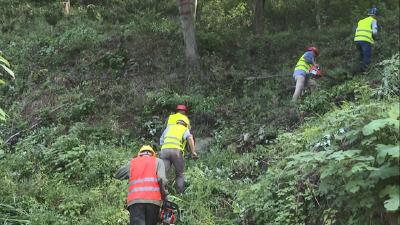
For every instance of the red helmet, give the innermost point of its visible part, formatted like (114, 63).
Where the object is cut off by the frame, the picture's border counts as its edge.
(313, 49)
(182, 108)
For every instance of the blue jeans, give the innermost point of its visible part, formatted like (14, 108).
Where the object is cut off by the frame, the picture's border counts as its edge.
(365, 50)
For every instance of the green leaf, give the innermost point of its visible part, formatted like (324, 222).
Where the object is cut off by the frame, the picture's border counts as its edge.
(2, 82)
(2, 115)
(384, 150)
(394, 112)
(329, 170)
(385, 171)
(361, 166)
(4, 61)
(8, 70)
(393, 203)
(340, 155)
(354, 185)
(376, 125)
(324, 187)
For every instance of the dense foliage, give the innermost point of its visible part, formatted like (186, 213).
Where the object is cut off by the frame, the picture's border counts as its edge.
(94, 85)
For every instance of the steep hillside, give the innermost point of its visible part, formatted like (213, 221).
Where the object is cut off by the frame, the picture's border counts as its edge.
(93, 86)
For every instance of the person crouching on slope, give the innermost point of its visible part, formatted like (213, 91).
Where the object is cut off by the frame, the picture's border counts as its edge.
(172, 143)
(301, 71)
(147, 180)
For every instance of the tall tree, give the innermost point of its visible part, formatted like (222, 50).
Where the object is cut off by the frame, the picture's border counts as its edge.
(259, 16)
(188, 30)
(318, 14)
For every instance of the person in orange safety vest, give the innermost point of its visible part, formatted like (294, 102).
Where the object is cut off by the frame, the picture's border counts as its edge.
(146, 174)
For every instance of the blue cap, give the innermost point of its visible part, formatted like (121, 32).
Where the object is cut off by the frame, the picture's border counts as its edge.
(373, 11)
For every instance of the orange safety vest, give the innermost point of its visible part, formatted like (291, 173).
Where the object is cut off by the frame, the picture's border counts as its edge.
(143, 180)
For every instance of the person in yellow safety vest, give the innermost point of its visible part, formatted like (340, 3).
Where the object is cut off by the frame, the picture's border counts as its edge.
(301, 71)
(172, 150)
(181, 114)
(146, 191)
(367, 29)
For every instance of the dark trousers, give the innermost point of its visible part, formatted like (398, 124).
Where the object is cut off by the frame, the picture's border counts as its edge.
(144, 214)
(365, 50)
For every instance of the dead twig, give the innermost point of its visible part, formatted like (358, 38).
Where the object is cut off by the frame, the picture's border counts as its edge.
(39, 121)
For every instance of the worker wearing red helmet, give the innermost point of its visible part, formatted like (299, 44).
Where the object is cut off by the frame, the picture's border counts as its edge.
(181, 114)
(172, 143)
(302, 73)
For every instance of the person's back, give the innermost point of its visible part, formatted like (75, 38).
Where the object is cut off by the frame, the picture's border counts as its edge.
(364, 36)
(172, 150)
(147, 180)
(181, 114)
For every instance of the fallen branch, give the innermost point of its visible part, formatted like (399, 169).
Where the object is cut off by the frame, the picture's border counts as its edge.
(263, 77)
(19, 133)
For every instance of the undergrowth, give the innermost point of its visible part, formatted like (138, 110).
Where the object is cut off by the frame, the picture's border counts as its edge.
(93, 86)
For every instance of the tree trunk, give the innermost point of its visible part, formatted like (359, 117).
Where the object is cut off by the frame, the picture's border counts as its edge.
(317, 14)
(259, 17)
(194, 11)
(188, 30)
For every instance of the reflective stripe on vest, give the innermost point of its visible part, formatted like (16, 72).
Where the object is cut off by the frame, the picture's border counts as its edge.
(173, 119)
(147, 179)
(302, 64)
(143, 180)
(364, 30)
(140, 189)
(173, 137)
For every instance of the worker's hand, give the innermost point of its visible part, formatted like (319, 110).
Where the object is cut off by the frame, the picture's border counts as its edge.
(194, 155)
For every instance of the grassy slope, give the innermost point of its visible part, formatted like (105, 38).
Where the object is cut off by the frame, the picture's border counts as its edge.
(92, 82)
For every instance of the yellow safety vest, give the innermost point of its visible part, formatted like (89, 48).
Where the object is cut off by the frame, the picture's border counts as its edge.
(364, 30)
(302, 64)
(174, 137)
(173, 119)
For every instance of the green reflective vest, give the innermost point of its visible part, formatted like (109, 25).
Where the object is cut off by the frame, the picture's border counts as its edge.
(174, 137)
(364, 30)
(302, 64)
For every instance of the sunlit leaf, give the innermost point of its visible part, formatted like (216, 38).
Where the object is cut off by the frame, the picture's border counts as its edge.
(387, 150)
(4, 61)
(361, 166)
(391, 204)
(340, 155)
(2, 115)
(8, 70)
(354, 185)
(376, 125)
(394, 112)
(385, 171)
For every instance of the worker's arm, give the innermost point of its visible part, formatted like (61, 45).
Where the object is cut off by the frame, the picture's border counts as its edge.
(123, 172)
(310, 58)
(192, 146)
(189, 137)
(163, 135)
(374, 27)
(162, 177)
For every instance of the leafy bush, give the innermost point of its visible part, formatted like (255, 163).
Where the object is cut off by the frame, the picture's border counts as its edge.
(389, 70)
(350, 160)
(78, 38)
